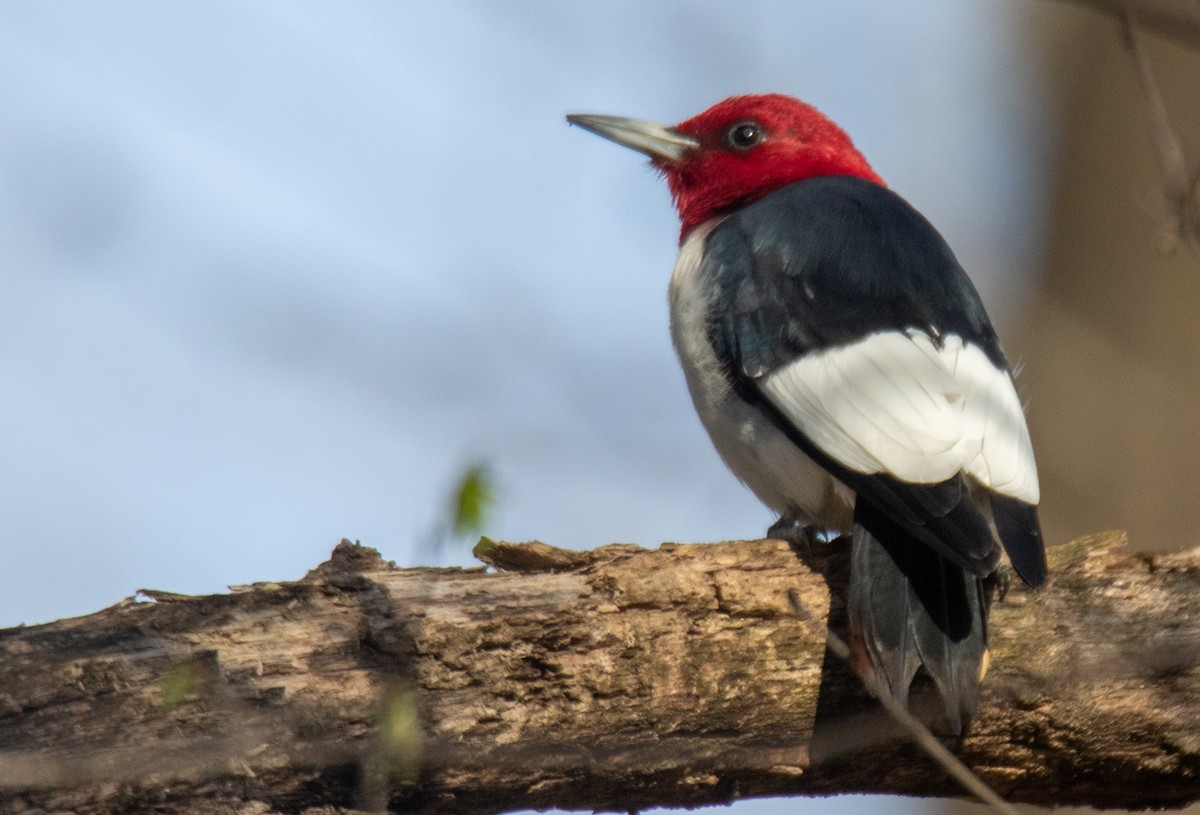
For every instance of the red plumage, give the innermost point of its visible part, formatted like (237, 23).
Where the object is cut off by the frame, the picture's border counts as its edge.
(800, 142)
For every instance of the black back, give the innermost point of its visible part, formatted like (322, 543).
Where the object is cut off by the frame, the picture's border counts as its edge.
(834, 259)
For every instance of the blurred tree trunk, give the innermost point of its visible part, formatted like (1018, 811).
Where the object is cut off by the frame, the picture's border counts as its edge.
(1111, 348)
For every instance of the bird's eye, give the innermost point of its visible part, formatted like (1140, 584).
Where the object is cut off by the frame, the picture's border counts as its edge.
(744, 135)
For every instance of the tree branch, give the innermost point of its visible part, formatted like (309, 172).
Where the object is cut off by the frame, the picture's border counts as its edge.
(1182, 184)
(1176, 19)
(615, 679)
(1179, 20)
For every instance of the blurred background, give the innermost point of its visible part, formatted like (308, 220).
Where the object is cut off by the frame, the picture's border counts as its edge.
(276, 274)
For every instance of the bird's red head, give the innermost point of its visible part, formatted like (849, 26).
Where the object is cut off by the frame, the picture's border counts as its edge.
(749, 146)
(737, 151)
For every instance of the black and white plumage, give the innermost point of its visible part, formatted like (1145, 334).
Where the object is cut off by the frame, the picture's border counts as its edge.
(846, 370)
(848, 374)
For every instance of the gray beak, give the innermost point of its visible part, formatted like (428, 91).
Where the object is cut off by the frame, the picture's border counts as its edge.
(659, 142)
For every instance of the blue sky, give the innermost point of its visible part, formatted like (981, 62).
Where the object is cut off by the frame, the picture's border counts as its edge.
(272, 274)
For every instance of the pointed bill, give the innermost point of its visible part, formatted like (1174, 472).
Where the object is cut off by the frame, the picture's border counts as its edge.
(659, 142)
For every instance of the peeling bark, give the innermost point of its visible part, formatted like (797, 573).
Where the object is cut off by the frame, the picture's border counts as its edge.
(619, 678)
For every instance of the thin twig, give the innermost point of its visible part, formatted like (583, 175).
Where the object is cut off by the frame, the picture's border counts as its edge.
(919, 733)
(1178, 20)
(1181, 185)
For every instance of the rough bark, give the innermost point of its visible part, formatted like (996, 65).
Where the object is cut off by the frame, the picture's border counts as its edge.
(620, 678)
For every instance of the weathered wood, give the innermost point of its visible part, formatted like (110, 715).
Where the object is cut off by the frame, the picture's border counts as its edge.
(614, 679)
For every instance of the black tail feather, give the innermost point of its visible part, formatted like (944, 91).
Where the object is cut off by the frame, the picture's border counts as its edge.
(911, 607)
(1019, 530)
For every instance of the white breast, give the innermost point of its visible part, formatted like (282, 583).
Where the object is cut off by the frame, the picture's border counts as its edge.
(757, 452)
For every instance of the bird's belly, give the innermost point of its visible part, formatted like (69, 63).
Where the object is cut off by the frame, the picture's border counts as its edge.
(759, 453)
(770, 464)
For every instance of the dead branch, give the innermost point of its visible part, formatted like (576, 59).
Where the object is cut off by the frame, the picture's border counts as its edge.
(615, 679)
(917, 732)
(1182, 184)
(1177, 19)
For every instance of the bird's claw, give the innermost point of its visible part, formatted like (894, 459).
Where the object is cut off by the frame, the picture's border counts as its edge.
(1001, 580)
(795, 532)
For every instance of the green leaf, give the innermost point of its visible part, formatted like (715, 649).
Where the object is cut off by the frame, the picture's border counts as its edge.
(472, 500)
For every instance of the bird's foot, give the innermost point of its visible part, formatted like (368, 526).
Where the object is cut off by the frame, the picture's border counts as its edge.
(799, 535)
(1000, 581)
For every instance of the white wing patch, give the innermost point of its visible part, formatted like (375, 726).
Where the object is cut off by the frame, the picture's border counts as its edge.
(897, 403)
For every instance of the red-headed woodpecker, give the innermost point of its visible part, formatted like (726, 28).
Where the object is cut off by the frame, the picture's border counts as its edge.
(846, 370)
